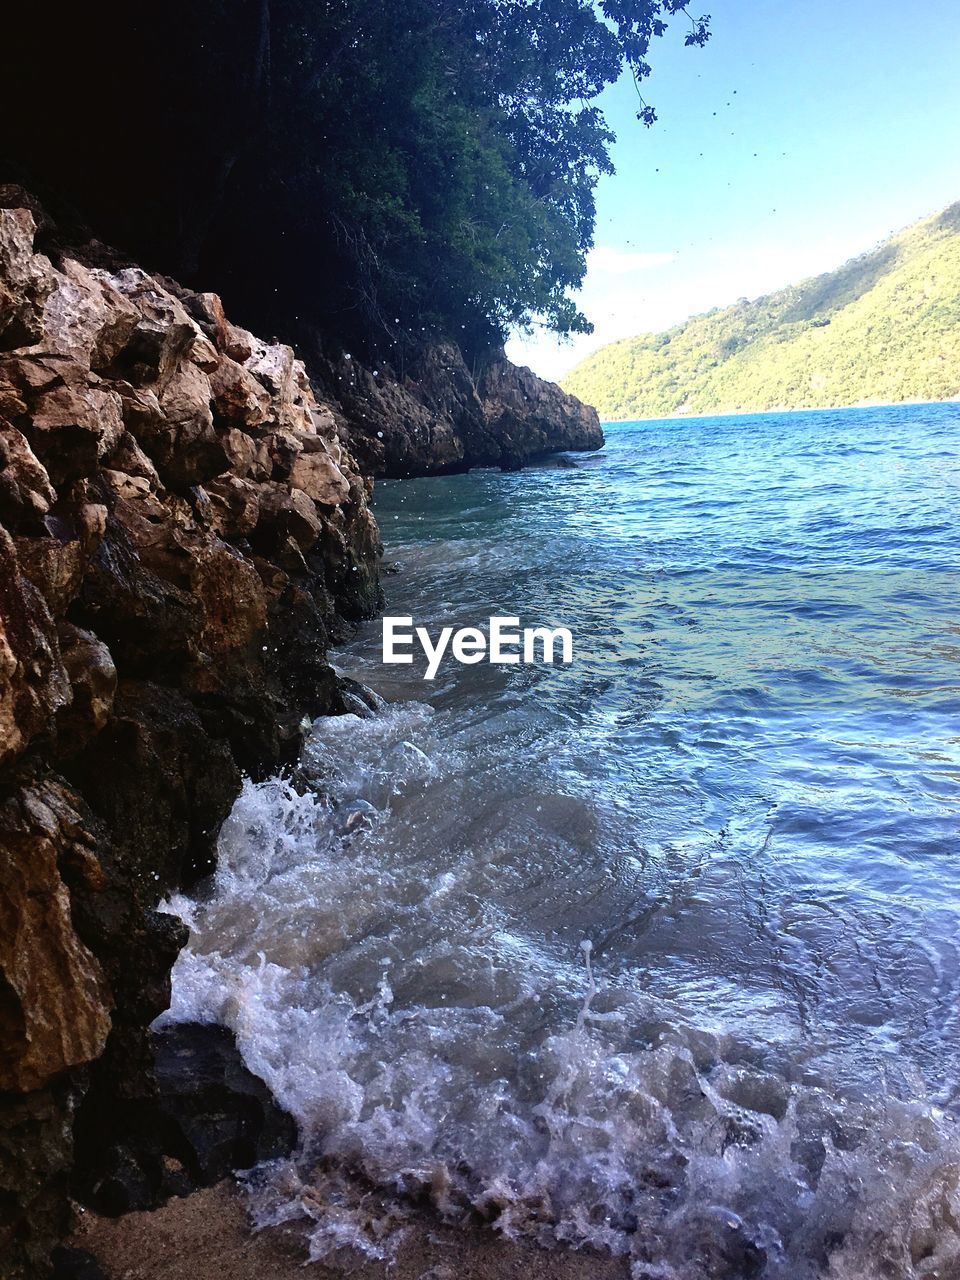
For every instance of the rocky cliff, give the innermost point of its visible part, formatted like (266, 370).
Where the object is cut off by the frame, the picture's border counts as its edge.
(182, 534)
(434, 416)
(184, 530)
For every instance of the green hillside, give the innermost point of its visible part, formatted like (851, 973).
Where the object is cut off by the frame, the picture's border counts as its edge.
(884, 327)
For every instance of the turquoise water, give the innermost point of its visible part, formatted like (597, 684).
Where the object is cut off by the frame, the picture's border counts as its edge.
(658, 951)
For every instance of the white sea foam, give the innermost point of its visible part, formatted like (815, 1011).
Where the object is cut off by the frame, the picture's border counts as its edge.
(358, 938)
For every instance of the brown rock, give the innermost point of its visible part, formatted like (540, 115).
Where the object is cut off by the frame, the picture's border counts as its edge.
(128, 487)
(86, 316)
(33, 683)
(54, 567)
(238, 398)
(320, 479)
(55, 1000)
(437, 417)
(287, 513)
(175, 429)
(207, 310)
(241, 450)
(164, 333)
(131, 459)
(24, 280)
(203, 354)
(189, 450)
(531, 417)
(91, 525)
(235, 507)
(72, 428)
(167, 595)
(26, 494)
(93, 687)
(283, 449)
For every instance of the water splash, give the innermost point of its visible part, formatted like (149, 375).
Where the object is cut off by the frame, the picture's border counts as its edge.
(428, 1049)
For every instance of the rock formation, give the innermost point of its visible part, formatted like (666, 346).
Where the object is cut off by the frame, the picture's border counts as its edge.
(182, 533)
(434, 416)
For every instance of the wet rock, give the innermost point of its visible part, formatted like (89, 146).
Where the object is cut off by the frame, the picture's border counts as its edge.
(167, 596)
(356, 699)
(223, 1116)
(33, 683)
(54, 999)
(36, 1153)
(718, 1245)
(207, 1117)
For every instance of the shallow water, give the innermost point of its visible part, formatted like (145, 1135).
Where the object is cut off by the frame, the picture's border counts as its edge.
(659, 951)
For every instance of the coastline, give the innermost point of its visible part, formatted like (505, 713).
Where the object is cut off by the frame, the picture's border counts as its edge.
(207, 1235)
(758, 413)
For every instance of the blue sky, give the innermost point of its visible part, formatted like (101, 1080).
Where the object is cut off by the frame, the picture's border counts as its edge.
(802, 134)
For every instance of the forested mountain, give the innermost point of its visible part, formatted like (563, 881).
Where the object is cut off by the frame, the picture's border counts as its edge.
(885, 327)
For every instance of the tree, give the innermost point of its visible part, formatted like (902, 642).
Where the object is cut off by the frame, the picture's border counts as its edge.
(372, 169)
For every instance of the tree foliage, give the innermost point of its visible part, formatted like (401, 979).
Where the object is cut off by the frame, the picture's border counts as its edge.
(374, 167)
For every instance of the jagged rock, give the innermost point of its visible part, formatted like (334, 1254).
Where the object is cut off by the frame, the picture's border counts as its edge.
(33, 683)
(54, 566)
(287, 513)
(187, 449)
(164, 333)
(54, 998)
(319, 477)
(26, 494)
(238, 398)
(73, 428)
(93, 688)
(87, 317)
(207, 310)
(129, 458)
(167, 594)
(436, 417)
(234, 507)
(24, 280)
(531, 418)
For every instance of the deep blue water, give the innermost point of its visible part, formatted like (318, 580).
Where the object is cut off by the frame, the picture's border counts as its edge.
(743, 795)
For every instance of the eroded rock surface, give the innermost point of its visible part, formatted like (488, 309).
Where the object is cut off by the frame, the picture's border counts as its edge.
(434, 416)
(183, 531)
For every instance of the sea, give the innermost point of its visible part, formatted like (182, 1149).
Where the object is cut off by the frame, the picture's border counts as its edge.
(656, 953)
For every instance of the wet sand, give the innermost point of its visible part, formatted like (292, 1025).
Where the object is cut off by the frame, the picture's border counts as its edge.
(207, 1237)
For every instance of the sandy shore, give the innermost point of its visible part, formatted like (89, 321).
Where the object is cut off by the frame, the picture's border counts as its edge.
(207, 1237)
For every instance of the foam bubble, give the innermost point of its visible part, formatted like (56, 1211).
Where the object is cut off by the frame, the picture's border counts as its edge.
(427, 1041)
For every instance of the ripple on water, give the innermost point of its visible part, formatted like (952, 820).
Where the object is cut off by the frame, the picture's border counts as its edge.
(743, 795)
